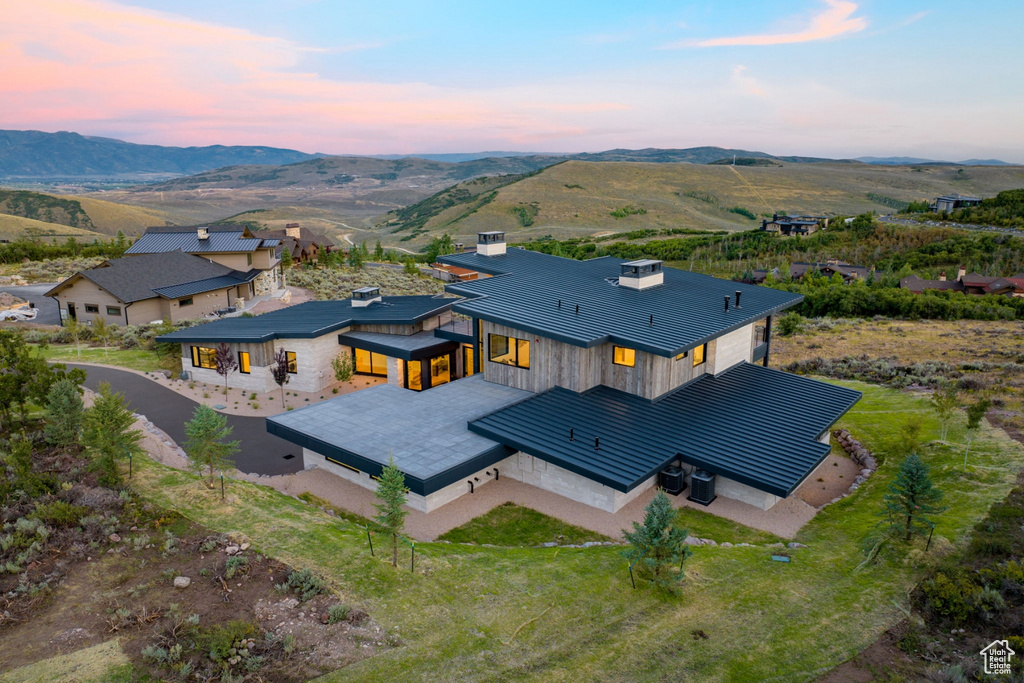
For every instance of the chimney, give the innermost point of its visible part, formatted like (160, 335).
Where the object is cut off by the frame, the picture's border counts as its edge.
(490, 243)
(960, 272)
(641, 274)
(942, 276)
(203, 233)
(293, 230)
(365, 296)
(775, 218)
(459, 247)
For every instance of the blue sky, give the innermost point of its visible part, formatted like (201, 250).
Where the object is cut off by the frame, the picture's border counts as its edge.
(819, 77)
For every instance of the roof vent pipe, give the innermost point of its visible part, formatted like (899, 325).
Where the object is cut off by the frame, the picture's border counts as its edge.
(572, 434)
(651, 321)
(727, 302)
(577, 309)
(597, 443)
(738, 292)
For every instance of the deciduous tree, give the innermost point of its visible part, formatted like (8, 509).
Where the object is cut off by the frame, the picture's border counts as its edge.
(945, 401)
(279, 370)
(975, 413)
(225, 362)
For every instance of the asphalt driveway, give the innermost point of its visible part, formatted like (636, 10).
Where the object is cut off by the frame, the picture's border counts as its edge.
(261, 452)
(49, 311)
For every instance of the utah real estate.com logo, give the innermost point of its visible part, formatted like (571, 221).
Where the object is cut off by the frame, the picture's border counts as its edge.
(997, 657)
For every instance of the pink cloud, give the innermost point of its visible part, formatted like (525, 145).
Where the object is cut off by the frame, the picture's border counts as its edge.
(834, 21)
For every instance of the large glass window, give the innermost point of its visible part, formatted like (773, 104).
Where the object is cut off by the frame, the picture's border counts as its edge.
(243, 362)
(509, 350)
(700, 355)
(204, 357)
(623, 356)
(369, 363)
(414, 375)
(440, 371)
(468, 361)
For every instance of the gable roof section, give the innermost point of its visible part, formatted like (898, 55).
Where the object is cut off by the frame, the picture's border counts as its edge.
(313, 319)
(137, 277)
(728, 424)
(221, 239)
(527, 286)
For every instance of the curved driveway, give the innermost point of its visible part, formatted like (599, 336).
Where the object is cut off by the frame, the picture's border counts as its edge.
(260, 452)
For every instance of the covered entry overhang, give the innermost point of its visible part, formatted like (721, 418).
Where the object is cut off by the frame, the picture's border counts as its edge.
(417, 346)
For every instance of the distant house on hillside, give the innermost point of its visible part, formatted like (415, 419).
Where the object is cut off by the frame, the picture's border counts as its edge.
(968, 283)
(951, 202)
(302, 245)
(794, 225)
(829, 268)
(135, 290)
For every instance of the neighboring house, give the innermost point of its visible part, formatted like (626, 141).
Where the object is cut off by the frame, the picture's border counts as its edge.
(452, 273)
(233, 246)
(794, 225)
(799, 269)
(590, 379)
(951, 202)
(968, 283)
(301, 245)
(391, 337)
(135, 290)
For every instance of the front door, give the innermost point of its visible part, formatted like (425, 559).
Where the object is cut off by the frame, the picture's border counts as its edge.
(71, 311)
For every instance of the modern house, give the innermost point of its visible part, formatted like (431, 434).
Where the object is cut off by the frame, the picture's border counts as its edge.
(297, 243)
(233, 246)
(794, 225)
(589, 379)
(389, 337)
(800, 269)
(951, 202)
(968, 283)
(135, 290)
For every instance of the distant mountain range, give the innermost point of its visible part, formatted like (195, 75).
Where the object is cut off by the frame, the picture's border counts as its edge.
(35, 154)
(906, 161)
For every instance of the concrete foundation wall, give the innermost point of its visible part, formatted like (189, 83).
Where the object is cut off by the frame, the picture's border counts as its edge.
(727, 488)
(544, 475)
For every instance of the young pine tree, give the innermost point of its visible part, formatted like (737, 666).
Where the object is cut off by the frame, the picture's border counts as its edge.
(911, 497)
(390, 518)
(107, 434)
(658, 545)
(64, 413)
(205, 442)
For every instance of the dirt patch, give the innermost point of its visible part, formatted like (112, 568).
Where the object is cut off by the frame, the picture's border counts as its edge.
(882, 660)
(829, 481)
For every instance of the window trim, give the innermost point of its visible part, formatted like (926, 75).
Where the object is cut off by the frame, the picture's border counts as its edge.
(513, 349)
(629, 359)
(293, 362)
(116, 310)
(197, 357)
(244, 366)
(703, 355)
(92, 308)
(187, 301)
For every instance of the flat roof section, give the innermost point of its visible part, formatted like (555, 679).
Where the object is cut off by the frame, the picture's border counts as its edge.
(752, 424)
(426, 432)
(578, 302)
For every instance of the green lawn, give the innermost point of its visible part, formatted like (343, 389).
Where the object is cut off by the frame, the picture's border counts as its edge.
(514, 525)
(133, 359)
(457, 616)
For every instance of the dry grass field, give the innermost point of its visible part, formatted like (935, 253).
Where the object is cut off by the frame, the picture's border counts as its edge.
(109, 217)
(13, 227)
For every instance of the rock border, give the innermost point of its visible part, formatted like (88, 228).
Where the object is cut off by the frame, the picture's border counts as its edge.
(860, 455)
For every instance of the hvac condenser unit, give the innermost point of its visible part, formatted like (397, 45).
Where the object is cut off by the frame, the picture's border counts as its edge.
(702, 487)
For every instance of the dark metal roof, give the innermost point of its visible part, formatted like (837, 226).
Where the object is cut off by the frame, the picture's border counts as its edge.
(758, 426)
(407, 347)
(200, 286)
(527, 286)
(313, 319)
(135, 278)
(223, 238)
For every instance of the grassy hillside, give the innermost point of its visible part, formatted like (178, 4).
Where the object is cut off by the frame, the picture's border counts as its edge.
(13, 227)
(580, 198)
(61, 214)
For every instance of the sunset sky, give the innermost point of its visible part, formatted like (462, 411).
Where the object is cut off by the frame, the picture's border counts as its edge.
(811, 77)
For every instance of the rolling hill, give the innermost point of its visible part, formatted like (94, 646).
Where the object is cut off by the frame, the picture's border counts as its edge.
(14, 227)
(93, 216)
(580, 198)
(35, 154)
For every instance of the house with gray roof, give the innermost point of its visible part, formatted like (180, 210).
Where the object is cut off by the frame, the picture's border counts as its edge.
(794, 225)
(233, 246)
(135, 290)
(596, 380)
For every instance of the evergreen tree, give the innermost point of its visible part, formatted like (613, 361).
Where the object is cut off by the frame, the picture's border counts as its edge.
(225, 363)
(410, 266)
(658, 545)
(378, 252)
(64, 413)
(945, 401)
(108, 434)
(975, 413)
(355, 258)
(390, 518)
(911, 497)
(205, 442)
